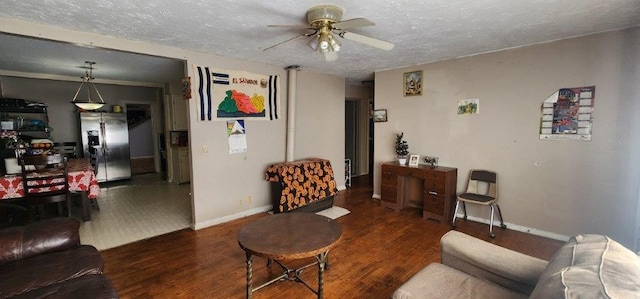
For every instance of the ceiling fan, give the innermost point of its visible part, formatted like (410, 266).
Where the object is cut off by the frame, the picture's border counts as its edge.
(325, 21)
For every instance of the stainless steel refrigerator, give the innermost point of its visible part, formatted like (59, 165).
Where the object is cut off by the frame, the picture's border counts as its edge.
(105, 141)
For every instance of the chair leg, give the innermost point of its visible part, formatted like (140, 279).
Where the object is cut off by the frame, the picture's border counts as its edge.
(502, 225)
(69, 206)
(455, 214)
(94, 204)
(464, 207)
(60, 209)
(491, 234)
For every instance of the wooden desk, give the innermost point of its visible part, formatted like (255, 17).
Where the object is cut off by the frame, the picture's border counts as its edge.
(289, 236)
(432, 189)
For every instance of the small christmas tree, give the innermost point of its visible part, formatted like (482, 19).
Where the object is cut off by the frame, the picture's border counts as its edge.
(402, 148)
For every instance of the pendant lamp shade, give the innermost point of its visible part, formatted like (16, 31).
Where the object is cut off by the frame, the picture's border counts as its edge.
(90, 88)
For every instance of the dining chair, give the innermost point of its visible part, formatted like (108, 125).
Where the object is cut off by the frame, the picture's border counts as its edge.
(67, 148)
(48, 183)
(482, 189)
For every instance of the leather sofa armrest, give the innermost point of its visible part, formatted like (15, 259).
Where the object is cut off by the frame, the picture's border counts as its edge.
(49, 235)
(502, 266)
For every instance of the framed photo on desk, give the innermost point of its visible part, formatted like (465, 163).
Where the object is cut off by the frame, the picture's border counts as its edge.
(414, 160)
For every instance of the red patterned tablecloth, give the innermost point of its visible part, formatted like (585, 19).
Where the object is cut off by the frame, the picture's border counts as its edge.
(80, 175)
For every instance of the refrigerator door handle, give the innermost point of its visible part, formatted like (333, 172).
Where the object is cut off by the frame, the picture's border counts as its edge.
(103, 130)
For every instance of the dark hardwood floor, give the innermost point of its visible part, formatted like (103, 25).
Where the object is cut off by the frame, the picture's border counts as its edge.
(379, 250)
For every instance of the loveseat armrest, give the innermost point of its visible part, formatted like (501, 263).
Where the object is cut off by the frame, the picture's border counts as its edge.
(502, 266)
(49, 235)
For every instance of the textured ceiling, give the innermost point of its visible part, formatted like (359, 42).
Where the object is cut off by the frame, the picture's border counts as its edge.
(423, 31)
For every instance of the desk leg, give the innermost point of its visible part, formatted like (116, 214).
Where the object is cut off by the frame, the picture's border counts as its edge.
(249, 274)
(322, 260)
(86, 205)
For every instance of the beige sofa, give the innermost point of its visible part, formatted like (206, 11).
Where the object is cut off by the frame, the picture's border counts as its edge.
(587, 266)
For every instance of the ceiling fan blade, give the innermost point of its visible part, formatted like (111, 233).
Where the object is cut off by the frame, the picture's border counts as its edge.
(282, 42)
(291, 26)
(353, 23)
(331, 56)
(374, 42)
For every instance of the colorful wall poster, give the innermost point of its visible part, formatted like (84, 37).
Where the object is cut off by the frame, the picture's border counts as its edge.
(237, 136)
(225, 94)
(568, 114)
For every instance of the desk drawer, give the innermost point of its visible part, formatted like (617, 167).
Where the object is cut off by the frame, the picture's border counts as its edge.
(434, 204)
(403, 170)
(389, 193)
(389, 178)
(435, 182)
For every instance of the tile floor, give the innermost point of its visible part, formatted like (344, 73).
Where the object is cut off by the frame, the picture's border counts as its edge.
(137, 209)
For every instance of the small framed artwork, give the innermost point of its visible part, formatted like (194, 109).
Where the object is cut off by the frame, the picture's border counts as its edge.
(469, 106)
(380, 115)
(179, 138)
(186, 88)
(414, 160)
(412, 83)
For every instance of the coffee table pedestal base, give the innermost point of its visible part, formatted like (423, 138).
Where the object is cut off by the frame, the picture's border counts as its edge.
(290, 274)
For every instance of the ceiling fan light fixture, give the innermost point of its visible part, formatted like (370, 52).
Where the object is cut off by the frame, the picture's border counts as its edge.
(324, 42)
(88, 104)
(313, 43)
(335, 45)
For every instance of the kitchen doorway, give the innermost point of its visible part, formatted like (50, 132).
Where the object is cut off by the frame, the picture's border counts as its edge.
(141, 138)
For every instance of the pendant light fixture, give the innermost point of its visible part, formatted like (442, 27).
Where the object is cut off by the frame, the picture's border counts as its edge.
(88, 104)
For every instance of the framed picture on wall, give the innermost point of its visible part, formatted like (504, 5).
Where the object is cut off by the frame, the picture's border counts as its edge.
(412, 83)
(380, 115)
(179, 138)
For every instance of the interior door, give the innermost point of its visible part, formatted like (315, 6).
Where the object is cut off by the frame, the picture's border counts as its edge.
(351, 133)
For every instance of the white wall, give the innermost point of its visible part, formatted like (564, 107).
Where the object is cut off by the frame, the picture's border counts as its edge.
(320, 120)
(224, 186)
(560, 187)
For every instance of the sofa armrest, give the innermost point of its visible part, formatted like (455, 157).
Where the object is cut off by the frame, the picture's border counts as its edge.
(49, 235)
(499, 265)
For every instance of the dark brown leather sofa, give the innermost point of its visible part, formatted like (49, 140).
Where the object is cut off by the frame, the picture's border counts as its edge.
(45, 260)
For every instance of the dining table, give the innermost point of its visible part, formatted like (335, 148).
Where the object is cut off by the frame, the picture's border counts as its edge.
(80, 175)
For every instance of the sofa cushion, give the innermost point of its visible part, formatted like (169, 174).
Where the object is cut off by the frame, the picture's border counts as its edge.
(47, 269)
(441, 281)
(502, 266)
(590, 266)
(88, 286)
(49, 235)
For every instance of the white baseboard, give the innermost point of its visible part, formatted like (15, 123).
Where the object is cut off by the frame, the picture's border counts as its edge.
(343, 187)
(516, 227)
(512, 226)
(212, 222)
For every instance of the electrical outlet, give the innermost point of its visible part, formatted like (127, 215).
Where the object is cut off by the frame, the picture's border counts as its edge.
(205, 149)
(249, 199)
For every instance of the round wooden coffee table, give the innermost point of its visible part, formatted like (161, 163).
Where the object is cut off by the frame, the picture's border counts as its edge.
(289, 236)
